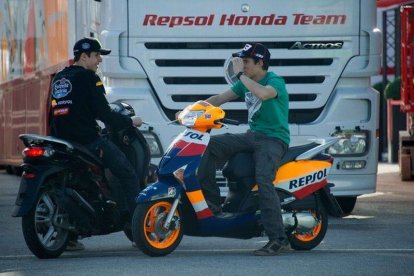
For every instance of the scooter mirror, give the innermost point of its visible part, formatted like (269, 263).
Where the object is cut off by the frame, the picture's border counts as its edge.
(122, 108)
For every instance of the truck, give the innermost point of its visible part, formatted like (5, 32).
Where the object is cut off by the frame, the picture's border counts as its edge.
(400, 92)
(166, 55)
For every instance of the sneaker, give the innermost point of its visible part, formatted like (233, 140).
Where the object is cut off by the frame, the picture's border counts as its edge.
(272, 248)
(75, 246)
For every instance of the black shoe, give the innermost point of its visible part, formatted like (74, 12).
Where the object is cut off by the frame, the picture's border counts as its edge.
(273, 248)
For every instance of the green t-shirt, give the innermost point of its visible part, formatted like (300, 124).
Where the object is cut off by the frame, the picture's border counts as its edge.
(269, 117)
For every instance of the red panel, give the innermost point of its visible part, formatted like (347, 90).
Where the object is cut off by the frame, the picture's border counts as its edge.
(387, 3)
(407, 59)
(24, 105)
(192, 149)
(206, 213)
(304, 192)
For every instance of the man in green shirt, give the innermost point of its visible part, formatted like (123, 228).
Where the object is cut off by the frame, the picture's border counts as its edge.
(268, 138)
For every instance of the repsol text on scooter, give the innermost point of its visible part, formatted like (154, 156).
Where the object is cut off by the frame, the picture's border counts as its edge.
(175, 205)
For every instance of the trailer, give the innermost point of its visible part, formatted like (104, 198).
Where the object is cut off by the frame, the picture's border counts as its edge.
(400, 122)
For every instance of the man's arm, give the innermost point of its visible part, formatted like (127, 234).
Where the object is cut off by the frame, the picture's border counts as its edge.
(222, 98)
(100, 106)
(260, 91)
(218, 99)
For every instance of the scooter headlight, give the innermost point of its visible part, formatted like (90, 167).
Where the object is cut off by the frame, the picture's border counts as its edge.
(190, 117)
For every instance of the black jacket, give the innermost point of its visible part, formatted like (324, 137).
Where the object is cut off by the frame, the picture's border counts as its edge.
(77, 100)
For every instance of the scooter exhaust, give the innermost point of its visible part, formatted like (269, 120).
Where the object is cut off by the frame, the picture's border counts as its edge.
(304, 221)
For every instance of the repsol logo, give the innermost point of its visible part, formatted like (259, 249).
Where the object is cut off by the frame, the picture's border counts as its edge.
(308, 179)
(316, 45)
(194, 135)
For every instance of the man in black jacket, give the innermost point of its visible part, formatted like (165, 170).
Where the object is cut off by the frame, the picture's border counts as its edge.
(78, 99)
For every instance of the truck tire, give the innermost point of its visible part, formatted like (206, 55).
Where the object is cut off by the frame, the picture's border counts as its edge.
(347, 203)
(9, 170)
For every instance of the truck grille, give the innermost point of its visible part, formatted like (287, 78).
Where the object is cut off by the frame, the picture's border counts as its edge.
(178, 78)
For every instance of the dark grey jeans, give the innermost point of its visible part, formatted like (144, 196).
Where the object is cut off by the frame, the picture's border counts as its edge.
(268, 152)
(116, 161)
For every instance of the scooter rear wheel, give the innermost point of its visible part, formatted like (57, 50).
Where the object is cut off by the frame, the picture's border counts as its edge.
(312, 238)
(148, 228)
(42, 229)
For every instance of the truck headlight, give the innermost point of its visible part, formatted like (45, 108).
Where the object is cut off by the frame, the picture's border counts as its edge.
(350, 143)
(153, 143)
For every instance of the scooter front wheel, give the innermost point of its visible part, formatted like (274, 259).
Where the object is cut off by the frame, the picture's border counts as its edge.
(148, 228)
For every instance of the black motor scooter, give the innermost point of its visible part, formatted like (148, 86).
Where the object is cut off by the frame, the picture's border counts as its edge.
(65, 191)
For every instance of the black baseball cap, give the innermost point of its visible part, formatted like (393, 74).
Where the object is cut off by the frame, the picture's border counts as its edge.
(89, 44)
(257, 51)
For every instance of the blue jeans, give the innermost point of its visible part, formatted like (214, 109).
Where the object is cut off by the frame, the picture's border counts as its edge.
(115, 160)
(267, 154)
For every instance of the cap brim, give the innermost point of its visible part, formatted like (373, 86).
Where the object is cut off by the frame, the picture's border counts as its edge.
(235, 55)
(103, 51)
(240, 54)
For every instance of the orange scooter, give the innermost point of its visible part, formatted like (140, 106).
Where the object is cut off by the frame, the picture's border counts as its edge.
(175, 204)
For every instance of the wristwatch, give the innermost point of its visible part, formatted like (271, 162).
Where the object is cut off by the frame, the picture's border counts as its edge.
(239, 75)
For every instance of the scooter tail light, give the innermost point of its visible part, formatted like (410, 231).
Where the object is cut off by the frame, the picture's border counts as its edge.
(33, 152)
(29, 175)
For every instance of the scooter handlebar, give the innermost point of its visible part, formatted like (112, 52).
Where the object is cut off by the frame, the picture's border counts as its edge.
(229, 121)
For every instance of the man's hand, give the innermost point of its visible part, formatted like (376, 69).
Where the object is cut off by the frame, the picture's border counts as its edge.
(238, 65)
(177, 114)
(136, 121)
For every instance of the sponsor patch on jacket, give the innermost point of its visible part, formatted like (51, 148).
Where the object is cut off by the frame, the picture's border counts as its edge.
(61, 88)
(58, 103)
(99, 83)
(61, 111)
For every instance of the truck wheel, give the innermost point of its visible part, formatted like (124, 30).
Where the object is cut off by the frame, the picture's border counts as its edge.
(17, 171)
(347, 203)
(9, 170)
(148, 231)
(41, 230)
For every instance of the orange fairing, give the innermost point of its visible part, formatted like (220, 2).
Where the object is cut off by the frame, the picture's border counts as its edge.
(201, 116)
(301, 177)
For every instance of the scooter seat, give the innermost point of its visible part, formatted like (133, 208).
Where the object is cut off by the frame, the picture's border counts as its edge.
(241, 165)
(87, 153)
(294, 152)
